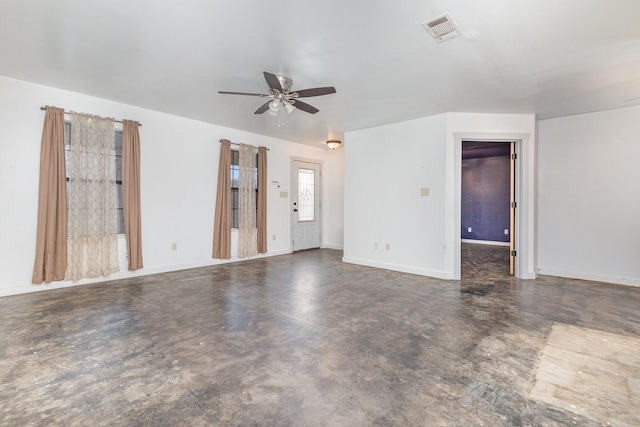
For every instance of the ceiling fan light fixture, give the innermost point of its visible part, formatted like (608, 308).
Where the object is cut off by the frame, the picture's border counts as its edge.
(334, 143)
(289, 107)
(274, 105)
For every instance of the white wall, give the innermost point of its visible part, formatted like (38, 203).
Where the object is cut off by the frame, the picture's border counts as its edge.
(333, 217)
(178, 184)
(385, 168)
(589, 196)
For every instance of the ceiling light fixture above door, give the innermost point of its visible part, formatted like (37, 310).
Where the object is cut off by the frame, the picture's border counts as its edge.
(334, 143)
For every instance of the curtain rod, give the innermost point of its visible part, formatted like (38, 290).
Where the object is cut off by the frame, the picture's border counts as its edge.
(237, 144)
(68, 112)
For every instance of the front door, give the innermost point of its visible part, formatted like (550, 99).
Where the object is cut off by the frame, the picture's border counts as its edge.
(305, 204)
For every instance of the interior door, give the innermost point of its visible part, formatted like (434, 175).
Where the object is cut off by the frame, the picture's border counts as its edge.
(512, 212)
(305, 199)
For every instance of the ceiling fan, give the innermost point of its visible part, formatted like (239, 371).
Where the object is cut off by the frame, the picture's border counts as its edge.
(281, 95)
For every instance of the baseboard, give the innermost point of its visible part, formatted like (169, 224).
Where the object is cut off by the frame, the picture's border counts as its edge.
(484, 242)
(30, 287)
(338, 247)
(398, 267)
(590, 277)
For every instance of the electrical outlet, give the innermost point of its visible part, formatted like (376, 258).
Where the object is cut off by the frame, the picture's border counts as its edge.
(387, 246)
(506, 231)
(274, 237)
(468, 229)
(375, 245)
(174, 246)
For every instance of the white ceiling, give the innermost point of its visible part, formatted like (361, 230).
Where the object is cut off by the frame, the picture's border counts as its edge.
(549, 57)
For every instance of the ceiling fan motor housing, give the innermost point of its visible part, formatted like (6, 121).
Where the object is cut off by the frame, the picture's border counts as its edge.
(285, 82)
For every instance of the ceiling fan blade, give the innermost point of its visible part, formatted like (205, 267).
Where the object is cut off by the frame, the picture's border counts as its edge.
(242, 93)
(264, 107)
(272, 81)
(305, 107)
(316, 91)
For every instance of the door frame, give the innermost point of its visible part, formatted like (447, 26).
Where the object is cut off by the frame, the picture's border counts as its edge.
(525, 236)
(513, 204)
(319, 191)
(512, 156)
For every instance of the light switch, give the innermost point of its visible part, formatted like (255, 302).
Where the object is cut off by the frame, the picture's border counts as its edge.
(424, 191)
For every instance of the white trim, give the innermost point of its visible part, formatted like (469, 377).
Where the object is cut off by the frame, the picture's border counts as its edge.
(590, 277)
(338, 247)
(484, 242)
(525, 232)
(31, 287)
(397, 267)
(306, 159)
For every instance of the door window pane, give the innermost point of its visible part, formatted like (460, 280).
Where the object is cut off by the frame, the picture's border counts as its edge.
(306, 196)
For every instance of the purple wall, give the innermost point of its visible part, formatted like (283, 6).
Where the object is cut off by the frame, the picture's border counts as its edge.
(485, 193)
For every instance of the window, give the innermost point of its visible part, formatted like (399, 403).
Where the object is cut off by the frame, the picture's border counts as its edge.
(235, 173)
(306, 195)
(117, 140)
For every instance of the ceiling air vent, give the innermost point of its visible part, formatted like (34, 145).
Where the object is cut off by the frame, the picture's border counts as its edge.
(442, 28)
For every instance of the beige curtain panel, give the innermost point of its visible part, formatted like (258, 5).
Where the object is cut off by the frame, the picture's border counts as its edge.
(51, 238)
(131, 192)
(262, 200)
(222, 219)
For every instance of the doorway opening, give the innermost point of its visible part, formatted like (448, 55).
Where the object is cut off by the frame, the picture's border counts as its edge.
(306, 204)
(487, 208)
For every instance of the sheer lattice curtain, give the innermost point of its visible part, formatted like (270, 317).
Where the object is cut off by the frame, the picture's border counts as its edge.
(93, 245)
(247, 184)
(51, 240)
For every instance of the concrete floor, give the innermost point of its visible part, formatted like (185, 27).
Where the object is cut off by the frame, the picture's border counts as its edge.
(307, 340)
